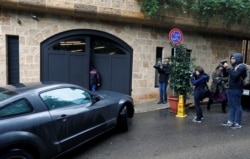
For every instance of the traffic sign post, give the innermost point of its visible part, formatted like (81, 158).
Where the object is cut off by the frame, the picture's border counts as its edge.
(175, 36)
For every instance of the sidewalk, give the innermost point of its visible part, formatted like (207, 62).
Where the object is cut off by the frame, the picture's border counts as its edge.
(152, 105)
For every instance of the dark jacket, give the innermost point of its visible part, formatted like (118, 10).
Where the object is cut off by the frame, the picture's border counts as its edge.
(220, 81)
(163, 72)
(94, 77)
(236, 75)
(200, 81)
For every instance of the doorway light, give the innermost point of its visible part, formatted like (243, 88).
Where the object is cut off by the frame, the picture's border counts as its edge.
(99, 47)
(72, 43)
(79, 50)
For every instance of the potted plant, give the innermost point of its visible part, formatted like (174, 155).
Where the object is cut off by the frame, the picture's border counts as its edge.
(181, 67)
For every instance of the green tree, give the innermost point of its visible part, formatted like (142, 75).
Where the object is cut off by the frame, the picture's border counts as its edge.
(181, 66)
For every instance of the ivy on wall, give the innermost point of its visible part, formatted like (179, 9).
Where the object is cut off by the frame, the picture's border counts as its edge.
(233, 12)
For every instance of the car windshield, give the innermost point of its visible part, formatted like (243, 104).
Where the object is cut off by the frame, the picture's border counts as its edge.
(4, 94)
(65, 97)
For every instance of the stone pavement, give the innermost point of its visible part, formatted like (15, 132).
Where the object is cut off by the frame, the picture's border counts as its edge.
(152, 105)
(149, 106)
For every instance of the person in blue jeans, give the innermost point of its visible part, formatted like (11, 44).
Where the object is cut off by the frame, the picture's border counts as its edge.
(235, 89)
(199, 79)
(164, 71)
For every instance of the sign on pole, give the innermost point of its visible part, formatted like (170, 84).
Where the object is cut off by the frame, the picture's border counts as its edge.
(175, 36)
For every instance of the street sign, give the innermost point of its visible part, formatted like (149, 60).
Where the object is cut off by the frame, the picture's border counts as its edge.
(175, 36)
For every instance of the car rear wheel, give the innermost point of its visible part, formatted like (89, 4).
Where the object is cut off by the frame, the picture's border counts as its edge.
(123, 120)
(17, 154)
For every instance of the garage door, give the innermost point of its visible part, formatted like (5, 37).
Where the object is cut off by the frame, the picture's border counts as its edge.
(68, 56)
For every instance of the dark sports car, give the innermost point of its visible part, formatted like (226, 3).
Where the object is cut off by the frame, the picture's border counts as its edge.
(44, 120)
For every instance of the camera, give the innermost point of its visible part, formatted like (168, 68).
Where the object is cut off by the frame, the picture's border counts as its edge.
(223, 61)
(192, 73)
(158, 64)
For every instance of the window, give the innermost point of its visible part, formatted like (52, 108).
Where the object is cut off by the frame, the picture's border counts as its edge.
(4, 94)
(65, 97)
(158, 59)
(13, 59)
(105, 46)
(71, 45)
(16, 108)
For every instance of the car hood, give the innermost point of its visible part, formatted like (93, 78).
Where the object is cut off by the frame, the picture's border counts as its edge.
(111, 95)
(106, 93)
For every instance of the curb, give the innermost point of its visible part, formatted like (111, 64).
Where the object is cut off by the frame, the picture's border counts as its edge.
(150, 106)
(153, 106)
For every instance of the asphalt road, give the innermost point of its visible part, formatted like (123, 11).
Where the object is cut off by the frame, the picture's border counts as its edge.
(161, 135)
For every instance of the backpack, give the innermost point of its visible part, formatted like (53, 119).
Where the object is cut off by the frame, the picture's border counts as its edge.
(246, 80)
(204, 92)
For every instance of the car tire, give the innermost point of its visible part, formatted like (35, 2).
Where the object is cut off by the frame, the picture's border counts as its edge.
(123, 120)
(17, 154)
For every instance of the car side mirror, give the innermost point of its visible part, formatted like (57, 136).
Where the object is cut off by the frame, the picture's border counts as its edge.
(96, 98)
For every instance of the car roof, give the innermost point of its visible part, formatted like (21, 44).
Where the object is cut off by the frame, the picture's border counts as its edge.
(25, 87)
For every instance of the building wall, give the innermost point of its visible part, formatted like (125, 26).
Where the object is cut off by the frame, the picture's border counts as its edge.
(208, 49)
(128, 11)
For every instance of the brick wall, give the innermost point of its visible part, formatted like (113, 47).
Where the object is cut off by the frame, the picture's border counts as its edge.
(208, 49)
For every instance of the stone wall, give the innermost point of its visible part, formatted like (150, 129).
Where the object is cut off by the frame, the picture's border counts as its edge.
(124, 11)
(208, 49)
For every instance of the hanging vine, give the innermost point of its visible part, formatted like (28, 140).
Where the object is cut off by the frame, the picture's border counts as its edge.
(233, 12)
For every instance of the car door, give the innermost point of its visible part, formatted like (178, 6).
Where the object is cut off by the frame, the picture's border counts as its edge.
(74, 121)
(105, 114)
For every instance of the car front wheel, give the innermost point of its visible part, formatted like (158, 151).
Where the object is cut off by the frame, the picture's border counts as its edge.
(17, 154)
(123, 120)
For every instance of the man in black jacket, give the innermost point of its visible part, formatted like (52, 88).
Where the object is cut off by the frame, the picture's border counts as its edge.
(235, 89)
(164, 71)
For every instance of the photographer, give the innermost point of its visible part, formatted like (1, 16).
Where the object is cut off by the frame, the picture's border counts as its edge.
(219, 87)
(236, 72)
(199, 79)
(164, 71)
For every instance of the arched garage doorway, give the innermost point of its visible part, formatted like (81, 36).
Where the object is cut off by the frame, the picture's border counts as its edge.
(66, 57)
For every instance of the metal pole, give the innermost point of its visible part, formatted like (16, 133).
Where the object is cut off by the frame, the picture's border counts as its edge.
(174, 62)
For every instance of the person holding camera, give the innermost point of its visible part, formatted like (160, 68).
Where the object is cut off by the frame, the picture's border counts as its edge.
(235, 89)
(164, 71)
(199, 79)
(219, 87)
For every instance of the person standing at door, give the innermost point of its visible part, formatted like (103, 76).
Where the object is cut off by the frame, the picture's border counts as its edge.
(164, 71)
(94, 79)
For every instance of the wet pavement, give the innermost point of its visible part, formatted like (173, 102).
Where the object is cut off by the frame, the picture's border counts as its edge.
(159, 134)
(152, 105)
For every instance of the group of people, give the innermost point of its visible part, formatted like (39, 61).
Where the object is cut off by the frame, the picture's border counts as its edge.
(226, 87)
(217, 92)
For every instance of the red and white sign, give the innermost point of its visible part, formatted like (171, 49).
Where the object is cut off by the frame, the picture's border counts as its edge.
(175, 36)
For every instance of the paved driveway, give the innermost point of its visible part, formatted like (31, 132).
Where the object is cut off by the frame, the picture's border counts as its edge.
(160, 135)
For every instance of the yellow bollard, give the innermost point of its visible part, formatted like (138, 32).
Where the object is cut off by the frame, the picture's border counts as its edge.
(181, 108)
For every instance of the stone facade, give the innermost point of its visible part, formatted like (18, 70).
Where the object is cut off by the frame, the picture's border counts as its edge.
(124, 11)
(207, 48)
